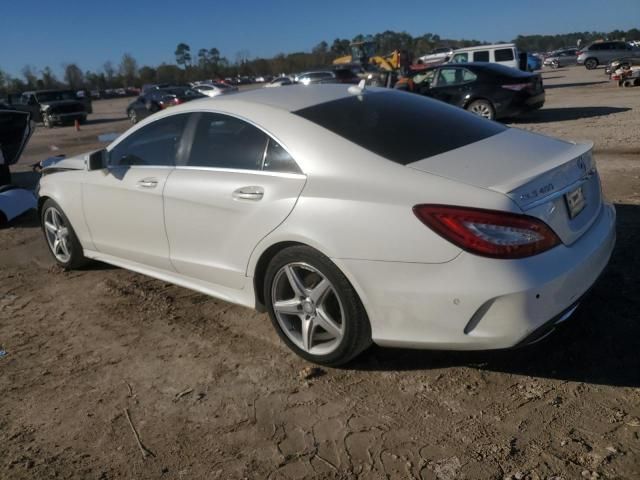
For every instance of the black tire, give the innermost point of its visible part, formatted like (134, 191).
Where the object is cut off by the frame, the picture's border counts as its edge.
(357, 331)
(77, 258)
(482, 108)
(590, 63)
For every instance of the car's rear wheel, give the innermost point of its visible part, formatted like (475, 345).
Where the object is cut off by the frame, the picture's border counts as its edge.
(314, 308)
(61, 239)
(482, 108)
(590, 63)
(133, 116)
(48, 123)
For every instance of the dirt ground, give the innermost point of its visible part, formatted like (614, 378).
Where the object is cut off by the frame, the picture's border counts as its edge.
(214, 394)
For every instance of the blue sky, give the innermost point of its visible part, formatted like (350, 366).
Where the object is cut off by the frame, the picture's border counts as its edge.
(46, 32)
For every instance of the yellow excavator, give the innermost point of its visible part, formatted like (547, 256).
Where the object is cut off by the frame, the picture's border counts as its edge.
(365, 53)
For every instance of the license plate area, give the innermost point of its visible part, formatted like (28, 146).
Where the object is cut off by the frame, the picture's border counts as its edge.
(575, 202)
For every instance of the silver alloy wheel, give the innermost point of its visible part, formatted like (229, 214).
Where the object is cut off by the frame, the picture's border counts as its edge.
(57, 234)
(481, 109)
(307, 308)
(133, 117)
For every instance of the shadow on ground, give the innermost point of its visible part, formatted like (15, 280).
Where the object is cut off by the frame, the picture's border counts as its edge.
(564, 114)
(599, 345)
(98, 121)
(577, 84)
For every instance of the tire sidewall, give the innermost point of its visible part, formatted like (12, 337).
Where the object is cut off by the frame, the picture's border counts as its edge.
(590, 63)
(485, 102)
(357, 333)
(77, 258)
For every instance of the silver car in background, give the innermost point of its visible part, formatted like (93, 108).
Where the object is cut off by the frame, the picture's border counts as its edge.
(601, 53)
(561, 58)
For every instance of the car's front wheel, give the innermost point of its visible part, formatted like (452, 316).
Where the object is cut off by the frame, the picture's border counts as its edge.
(314, 308)
(61, 239)
(591, 63)
(482, 108)
(46, 119)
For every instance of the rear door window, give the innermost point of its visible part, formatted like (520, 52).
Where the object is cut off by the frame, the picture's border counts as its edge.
(454, 76)
(504, 55)
(401, 127)
(481, 56)
(221, 141)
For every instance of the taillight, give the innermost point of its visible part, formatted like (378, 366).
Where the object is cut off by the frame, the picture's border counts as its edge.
(517, 86)
(489, 233)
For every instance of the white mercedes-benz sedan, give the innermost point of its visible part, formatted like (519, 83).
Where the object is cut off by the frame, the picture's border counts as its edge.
(352, 216)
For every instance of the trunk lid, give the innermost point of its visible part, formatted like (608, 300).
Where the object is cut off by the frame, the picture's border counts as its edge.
(538, 173)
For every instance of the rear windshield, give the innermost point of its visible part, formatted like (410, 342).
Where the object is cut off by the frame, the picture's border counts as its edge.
(402, 127)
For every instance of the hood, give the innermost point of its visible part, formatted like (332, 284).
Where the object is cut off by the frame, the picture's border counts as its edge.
(523, 165)
(55, 103)
(15, 130)
(57, 164)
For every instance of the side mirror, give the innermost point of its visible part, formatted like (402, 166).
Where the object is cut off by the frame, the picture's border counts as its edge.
(97, 160)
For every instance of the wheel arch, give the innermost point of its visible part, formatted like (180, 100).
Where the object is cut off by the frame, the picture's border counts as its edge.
(260, 269)
(469, 101)
(41, 201)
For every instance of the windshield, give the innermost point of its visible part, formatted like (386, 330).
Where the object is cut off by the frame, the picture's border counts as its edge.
(44, 97)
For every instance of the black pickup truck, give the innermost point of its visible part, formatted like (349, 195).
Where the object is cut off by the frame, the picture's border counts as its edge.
(52, 107)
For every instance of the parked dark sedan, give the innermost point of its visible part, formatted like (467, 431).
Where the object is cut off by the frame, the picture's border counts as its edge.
(486, 89)
(158, 99)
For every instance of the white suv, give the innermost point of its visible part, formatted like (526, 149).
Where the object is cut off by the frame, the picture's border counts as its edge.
(503, 53)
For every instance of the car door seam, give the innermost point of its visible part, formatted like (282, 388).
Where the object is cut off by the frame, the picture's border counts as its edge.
(164, 219)
(246, 272)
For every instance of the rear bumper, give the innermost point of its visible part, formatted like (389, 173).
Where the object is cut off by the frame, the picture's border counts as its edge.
(520, 104)
(476, 303)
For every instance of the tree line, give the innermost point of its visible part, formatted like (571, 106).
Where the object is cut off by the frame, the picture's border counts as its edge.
(208, 63)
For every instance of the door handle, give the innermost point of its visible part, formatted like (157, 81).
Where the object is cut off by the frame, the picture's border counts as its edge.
(148, 183)
(249, 193)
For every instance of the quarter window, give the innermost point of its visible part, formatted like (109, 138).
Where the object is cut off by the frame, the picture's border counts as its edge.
(155, 144)
(504, 55)
(277, 159)
(481, 56)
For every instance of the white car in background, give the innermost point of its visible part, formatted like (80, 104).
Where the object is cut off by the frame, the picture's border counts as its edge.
(352, 216)
(438, 55)
(214, 89)
(279, 82)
